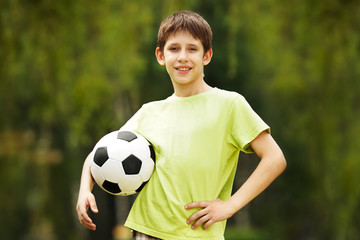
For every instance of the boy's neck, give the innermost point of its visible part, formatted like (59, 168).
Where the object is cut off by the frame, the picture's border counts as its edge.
(188, 91)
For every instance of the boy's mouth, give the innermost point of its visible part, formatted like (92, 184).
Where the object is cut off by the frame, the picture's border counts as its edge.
(183, 69)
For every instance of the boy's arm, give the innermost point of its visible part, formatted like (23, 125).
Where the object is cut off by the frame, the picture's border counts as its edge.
(86, 199)
(272, 164)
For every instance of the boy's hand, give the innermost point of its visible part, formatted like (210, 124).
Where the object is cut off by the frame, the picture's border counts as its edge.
(210, 212)
(85, 201)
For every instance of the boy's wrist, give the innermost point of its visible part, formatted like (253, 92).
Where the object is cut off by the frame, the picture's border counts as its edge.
(235, 204)
(85, 189)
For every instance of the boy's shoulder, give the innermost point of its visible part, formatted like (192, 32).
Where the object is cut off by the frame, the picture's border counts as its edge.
(228, 97)
(229, 94)
(155, 103)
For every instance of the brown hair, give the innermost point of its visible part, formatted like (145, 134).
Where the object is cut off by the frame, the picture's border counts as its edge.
(187, 21)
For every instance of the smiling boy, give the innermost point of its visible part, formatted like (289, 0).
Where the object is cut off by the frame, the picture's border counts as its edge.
(197, 134)
(184, 58)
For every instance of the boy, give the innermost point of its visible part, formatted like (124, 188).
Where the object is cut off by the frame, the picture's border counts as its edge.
(197, 134)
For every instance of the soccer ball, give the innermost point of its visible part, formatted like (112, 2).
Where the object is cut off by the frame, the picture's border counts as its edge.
(122, 162)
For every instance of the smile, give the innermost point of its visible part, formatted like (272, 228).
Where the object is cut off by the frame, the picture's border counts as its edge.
(183, 69)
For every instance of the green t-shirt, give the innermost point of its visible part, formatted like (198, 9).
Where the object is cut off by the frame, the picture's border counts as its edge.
(197, 141)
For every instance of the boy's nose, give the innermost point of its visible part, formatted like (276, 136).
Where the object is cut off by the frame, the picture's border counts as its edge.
(182, 56)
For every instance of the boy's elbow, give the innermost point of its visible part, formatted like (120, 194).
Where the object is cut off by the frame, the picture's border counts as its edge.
(281, 162)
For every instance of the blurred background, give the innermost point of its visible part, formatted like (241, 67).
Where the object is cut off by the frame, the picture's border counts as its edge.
(72, 71)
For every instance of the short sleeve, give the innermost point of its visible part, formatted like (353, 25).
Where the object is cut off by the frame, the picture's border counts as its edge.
(245, 124)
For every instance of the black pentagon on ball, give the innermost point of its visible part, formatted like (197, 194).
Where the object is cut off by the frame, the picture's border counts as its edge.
(126, 136)
(101, 156)
(131, 165)
(152, 152)
(141, 187)
(111, 187)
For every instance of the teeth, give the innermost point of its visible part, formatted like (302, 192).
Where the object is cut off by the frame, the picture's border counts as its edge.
(183, 69)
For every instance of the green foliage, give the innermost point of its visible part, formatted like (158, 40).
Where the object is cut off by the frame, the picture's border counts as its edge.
(233, 233)
(306, 58)
(72, 71)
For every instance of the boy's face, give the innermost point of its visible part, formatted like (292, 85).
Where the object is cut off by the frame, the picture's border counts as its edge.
(184, 58)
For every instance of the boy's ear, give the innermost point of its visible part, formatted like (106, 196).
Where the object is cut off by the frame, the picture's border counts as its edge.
(207, 57)
(159, 56)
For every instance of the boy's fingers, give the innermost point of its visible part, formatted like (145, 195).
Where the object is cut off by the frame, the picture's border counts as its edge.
(208, 224)
(200, 221)
(196, 205)
(82, 208)
(91, 226)
(93, 205)
(85, 218)
(197, 216)
(86, 221)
